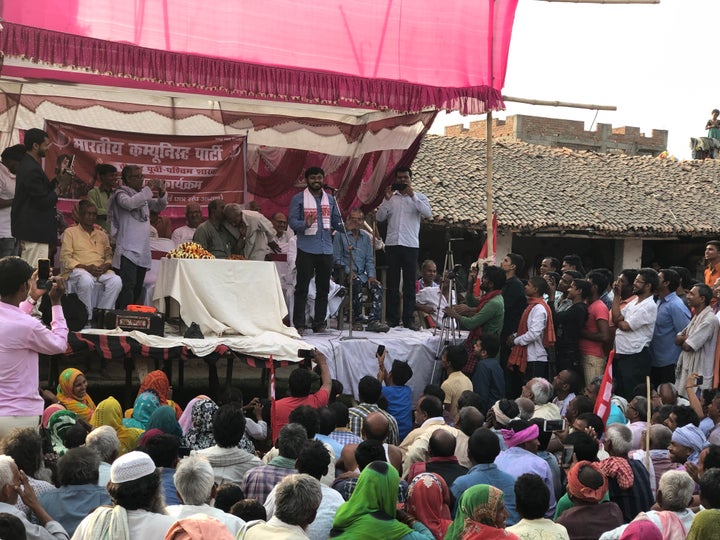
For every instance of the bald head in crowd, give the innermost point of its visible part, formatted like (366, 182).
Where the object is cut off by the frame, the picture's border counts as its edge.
(376, 427)
(441, 444)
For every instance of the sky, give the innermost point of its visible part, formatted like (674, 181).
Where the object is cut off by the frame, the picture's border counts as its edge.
(657, 63)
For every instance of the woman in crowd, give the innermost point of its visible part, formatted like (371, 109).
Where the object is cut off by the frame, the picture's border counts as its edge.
(164, 419)
(145, 405)
(157, 382)
(185, 420)
(109, 413)
(72, 393)
(58, 425)
(481, 514)
(641, 530)
(371, 510)
(428, 501)
(200, 435)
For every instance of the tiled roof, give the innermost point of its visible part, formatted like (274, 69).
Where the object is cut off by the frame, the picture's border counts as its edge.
(545, 189)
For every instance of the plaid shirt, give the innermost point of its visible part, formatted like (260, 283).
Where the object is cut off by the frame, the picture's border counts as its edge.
(259, 482)
(358, 415)
(345, 437)
(346, 487)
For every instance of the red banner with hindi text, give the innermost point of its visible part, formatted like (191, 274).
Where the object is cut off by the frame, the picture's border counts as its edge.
(194, 168)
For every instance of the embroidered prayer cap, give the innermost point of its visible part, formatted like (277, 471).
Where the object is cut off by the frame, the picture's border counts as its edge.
(131, 466)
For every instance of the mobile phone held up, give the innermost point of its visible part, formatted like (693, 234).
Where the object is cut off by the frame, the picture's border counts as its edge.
(399, 186)
(43, 277)
(554, 425)
(699, 380)
(567, 455)
(380, 350)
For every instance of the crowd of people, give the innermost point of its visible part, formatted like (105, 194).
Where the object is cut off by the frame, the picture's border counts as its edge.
(522, 438)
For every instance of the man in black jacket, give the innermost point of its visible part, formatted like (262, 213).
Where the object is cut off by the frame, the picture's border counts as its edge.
(33, 220)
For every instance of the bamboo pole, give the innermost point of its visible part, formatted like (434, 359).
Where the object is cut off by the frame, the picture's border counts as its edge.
(560, 104)
(489, 188)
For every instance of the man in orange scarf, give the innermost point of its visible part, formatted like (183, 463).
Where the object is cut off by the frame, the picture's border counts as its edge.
(528, 357)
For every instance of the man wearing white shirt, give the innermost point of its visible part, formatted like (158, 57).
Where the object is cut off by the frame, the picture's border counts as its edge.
(193, 216)
(635, 327)
(11, 157)
(195, 484)
(403, 209)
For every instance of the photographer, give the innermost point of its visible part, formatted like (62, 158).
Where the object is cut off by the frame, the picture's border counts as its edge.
(24, 338)
(129, 217)
(403, 209)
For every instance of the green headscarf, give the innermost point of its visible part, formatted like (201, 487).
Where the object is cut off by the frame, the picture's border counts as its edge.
(478, 503)
(58, 425)
(164, 419)
(370, 512)
(705, 525)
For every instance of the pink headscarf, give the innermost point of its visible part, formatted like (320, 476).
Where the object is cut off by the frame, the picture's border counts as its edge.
(48, 412)
(641, 530)
(512, 438)
(185, 420)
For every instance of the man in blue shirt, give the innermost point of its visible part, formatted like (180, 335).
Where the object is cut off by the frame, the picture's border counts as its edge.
(672, 317)
(313, 214)
(403, 209)
(483, 448)
(363, 270)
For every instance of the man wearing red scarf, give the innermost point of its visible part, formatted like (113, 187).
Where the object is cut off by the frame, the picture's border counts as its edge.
(484, 315)
(528, 357)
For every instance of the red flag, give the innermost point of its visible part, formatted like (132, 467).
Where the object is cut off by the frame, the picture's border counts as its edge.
(484, 252)
(602, 403)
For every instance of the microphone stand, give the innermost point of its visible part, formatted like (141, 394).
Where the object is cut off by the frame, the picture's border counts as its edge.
(351, 266)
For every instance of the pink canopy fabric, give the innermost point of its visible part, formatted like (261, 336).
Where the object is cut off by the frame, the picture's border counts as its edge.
(383, 54)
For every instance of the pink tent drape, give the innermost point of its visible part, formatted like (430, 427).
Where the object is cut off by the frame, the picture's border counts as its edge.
(385, 54)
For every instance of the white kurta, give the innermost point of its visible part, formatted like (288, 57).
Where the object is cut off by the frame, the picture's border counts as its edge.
(702, 337)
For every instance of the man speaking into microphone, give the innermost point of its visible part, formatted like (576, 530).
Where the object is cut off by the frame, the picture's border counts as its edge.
(403, 208)
(313, 215)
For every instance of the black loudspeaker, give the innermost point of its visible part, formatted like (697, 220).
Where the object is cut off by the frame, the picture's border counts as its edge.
(148, 323)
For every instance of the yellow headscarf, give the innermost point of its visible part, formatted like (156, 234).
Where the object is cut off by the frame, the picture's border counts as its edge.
(109, 413)
(85, 407)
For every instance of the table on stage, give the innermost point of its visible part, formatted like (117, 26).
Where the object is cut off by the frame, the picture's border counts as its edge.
(224, 296)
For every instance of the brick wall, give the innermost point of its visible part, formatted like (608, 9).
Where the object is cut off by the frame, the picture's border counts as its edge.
(567, 133)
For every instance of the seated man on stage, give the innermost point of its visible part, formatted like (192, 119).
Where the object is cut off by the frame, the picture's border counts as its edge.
(185, 233)
(214, 236)
(428, 296)
(86, 258)
(362, 272)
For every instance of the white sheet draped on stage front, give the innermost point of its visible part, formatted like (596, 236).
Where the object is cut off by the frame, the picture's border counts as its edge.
(226, 297)
(350, 360)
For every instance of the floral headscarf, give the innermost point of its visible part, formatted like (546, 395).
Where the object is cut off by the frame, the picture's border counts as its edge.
(84, 407)
(185, 419)
(200, 435)
(427, 500)
(145, 405)
(58, 425)
(477, 509)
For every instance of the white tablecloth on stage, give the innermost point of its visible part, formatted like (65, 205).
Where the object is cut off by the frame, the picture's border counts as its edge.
(224, 297)
(350, 360)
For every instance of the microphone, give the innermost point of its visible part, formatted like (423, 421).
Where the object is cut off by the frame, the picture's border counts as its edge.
(329, 187)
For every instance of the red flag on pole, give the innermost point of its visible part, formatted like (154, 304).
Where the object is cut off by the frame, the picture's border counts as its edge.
(484, 251)
(602, 403)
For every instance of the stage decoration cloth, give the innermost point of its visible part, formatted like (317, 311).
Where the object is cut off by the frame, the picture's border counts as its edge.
(405, 56)
(350, 360)
(116, 344)
(226, 297)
